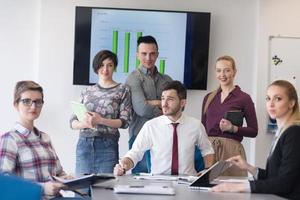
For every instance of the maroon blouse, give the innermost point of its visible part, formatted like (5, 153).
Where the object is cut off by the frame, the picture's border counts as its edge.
(236, 100)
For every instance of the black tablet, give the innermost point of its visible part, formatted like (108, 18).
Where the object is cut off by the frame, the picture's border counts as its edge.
(236, 117)
(205, 179)
(84, 181)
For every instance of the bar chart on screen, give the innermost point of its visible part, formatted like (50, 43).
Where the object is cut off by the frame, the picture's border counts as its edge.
(109, 31)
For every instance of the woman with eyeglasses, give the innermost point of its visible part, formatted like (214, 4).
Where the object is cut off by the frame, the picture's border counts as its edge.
(282, 173)
(25, 150)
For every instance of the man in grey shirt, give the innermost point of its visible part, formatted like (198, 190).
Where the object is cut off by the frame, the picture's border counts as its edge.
(146, 85)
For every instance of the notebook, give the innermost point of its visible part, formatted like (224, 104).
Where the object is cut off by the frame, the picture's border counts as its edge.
(78, 109)
(203, 182)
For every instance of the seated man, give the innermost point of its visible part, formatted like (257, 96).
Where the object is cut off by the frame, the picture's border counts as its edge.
(171, 138)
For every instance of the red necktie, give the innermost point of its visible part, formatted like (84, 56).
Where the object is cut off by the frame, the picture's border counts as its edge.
(174, 166)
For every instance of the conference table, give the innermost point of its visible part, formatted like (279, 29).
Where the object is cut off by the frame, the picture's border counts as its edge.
(182, 192)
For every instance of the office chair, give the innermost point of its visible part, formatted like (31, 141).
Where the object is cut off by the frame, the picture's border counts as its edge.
(16, 188)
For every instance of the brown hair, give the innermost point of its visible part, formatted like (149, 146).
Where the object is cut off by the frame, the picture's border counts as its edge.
(292, 95)
(228, 58)
(178, 86)
(23, 86)
(101, 56)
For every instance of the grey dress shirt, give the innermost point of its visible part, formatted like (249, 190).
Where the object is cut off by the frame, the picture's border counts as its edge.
(144, 86)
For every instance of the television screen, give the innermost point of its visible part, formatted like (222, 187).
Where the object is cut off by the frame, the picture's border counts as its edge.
(182, 37)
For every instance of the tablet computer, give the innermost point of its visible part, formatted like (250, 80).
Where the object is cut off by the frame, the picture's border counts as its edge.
(84, 181)
(205, 179)
(236, 117)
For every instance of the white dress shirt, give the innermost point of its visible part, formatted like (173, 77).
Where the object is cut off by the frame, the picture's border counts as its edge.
(157, 136)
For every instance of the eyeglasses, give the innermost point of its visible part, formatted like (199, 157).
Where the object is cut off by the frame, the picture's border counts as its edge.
(28, 102)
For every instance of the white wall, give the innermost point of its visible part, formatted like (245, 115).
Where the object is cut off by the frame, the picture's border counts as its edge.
(19, 22)
(47, 56)
(276, 17)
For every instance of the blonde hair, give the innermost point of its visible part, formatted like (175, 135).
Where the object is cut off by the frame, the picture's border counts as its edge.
(291, 92)
(228, 58)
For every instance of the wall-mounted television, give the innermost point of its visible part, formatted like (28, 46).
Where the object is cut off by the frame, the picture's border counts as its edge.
(183, 41)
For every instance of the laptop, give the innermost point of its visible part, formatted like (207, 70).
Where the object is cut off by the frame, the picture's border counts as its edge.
(204, 181)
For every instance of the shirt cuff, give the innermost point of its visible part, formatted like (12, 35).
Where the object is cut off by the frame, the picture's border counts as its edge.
(42, 186)
(247, 187)
(255, 176)
(132, 156)
(208, 151)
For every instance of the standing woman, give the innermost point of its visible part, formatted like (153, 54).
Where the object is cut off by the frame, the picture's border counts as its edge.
(25, 150)
(282, 174)
(109, 108)
(225, 137)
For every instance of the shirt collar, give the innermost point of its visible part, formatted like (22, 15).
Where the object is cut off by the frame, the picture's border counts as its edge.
(147, 71)
(24, 131)
(235, 91)
(166, 120)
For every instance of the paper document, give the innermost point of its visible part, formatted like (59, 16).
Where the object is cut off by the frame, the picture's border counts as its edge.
(155, 177)
(207, 189)
(144, 189)
(233, 180)
(79, 110)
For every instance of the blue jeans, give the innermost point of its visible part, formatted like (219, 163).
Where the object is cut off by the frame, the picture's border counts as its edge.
(96, 155)
(145, 164)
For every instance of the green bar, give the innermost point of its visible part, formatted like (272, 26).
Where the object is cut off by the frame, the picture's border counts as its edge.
(162, 64)
(126, 52)
(115, 42)
(137, 62)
